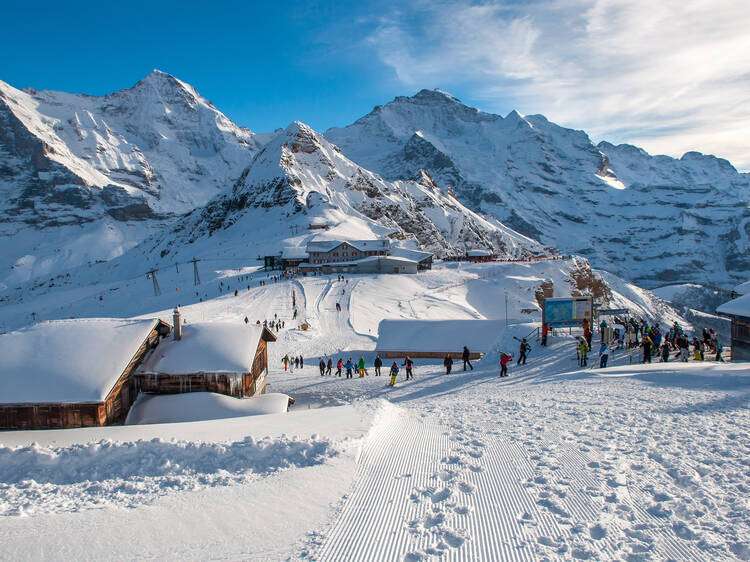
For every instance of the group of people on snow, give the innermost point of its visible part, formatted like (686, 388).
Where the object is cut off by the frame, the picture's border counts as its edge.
(291, 363)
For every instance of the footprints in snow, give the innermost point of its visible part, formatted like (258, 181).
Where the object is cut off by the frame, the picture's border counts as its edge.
(441, 507)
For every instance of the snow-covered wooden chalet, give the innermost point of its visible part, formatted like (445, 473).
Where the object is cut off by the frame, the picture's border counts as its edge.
(222, 357)
(73, 373)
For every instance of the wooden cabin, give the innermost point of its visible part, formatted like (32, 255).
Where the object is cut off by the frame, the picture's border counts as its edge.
(73, 373)
(226, 358)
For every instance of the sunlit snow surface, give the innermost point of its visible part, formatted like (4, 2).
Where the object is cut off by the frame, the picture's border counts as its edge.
(554, 462)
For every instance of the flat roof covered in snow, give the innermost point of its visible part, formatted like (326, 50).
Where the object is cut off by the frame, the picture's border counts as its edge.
(743, 288)
(736, 307)
(438, 335)
(77, 360)
(213, 347)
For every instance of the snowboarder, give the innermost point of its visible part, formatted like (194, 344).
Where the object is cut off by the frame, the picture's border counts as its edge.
(603, 355)
(378, 363)
(448, 363)
(523, 350)
(349, 366)
(322, 366)
(339, 366)
(465, 358)
(409, 367)
(394, 373)
(504, 360)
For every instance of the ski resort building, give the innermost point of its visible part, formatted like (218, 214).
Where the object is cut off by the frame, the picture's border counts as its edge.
(221, 357)
(73, 373)
(423, 259)
(738, 311)
(436, 338)
(336, 251)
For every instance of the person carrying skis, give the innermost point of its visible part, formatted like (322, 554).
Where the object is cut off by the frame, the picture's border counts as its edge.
(394, 374)
(378, 363)
(603, 355)
(448, 363)
(465, 357)
(361, 367)
(349, 366)
(329, 366)
(504, 360)
(523, 350)
(409, 367)
(339, 366)
(322, 367)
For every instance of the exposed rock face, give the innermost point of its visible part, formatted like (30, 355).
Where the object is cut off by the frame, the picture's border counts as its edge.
(141, 155)
(300, 173)
(654, 219)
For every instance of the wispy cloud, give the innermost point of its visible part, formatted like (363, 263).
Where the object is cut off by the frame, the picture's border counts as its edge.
(671, 76)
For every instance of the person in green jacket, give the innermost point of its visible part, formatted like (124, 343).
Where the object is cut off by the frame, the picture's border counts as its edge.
(361, 366)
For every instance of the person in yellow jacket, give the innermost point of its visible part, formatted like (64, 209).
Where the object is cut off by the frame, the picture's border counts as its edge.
(583, 349)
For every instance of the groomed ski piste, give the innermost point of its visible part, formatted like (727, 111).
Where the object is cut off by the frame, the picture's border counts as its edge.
(555, 462)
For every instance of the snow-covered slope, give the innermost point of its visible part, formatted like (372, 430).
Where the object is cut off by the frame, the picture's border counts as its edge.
(108, 168)
(647, 218)
(299, 179)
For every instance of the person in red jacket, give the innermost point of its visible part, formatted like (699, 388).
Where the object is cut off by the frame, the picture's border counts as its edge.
(339, 366)
(504, 360)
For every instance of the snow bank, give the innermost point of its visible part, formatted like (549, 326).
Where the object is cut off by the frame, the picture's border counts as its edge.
(68, 360)
(38, 479)
(207, 346)
(437, 335)
(199, 406)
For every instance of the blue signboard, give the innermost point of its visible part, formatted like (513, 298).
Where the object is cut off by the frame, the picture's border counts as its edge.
(571, 311)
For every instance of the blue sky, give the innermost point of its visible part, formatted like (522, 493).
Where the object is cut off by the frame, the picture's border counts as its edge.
(670, 76)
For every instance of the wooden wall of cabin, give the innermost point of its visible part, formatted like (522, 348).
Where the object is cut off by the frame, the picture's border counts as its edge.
(50, 416)
(220, 383)
(260, 366)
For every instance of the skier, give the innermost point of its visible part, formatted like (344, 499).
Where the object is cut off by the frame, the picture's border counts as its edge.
(322, 366)
(504, 360)
(338, 307)
(349, 366)
(646, 344)
(247, 320)
(603, 355)
(361, 367)
(378, 363)
(296, 362)
(329, 367)
(409, 367)
(285, 361)
(523, 350)
(665, 352)
(448, 362)
(465, 358)
(301, 362)
(583, 349)
(394, 373)
(339, 366)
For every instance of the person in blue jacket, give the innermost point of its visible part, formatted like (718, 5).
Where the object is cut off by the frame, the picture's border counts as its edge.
(349, 366)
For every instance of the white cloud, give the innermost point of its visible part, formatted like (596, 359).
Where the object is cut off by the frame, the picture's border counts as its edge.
(669, 75)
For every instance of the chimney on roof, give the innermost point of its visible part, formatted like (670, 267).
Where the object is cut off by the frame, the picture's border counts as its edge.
(177, 330)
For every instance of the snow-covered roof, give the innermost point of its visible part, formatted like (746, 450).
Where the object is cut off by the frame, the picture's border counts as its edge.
(736, 307)
(415, 255)
(743, 288)
(361, 245)
(361, 260)
(294, 253)
(68, 360)
(214, 347)
(438, 335)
